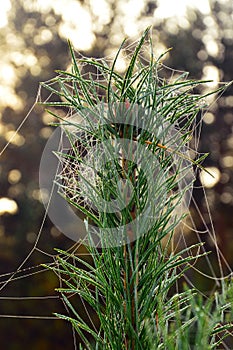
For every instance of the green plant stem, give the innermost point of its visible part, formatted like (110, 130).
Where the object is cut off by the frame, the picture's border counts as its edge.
(129, 250)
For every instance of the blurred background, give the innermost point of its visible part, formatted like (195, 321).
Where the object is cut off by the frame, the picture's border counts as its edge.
(33, 44)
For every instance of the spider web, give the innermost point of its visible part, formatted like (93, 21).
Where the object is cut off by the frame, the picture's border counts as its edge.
(188, 231)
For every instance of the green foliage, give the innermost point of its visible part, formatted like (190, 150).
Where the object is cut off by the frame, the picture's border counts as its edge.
(128, 285)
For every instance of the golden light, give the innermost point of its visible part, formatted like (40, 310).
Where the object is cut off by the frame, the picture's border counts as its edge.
(9, 98)
(5, 8)
(202, 55)
(211, 72)
(77, 24)
(7, 73)
(212, 47)
(208, 118)
(207, 180)
(35, 70)
(14, 138)
(44, 37)
(46, 132)
(30, 59)
(230, 141)
(48, 118)
(16, 190)
(168, 8)
(133, 12)
(14, 176)
(226, 198)
(17, 58)
(102, 10)
(227, 161)
(121, 65)
(229, 101)
(8, 206)
(41, 195)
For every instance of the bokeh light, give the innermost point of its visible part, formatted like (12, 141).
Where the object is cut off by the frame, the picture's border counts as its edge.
(8, 206)
(210, 177)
